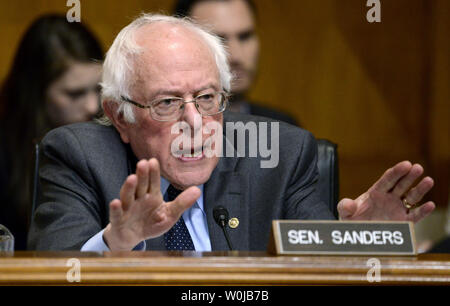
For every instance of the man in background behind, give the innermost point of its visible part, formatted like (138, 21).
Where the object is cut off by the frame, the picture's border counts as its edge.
(234, 22)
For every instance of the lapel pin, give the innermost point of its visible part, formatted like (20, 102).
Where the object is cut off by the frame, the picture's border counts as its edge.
(233, 222)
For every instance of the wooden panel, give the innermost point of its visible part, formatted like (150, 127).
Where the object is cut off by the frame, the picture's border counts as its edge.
(367, 87)
(439, 101)
(218, 268)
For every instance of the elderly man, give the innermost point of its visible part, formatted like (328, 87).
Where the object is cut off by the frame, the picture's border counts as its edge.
(159, 72)
(234, 22)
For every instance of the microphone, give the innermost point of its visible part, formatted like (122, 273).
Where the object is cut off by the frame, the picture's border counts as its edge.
(220, 215)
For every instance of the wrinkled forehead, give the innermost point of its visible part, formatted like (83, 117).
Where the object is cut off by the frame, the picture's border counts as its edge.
(165, 43)
(168, 48)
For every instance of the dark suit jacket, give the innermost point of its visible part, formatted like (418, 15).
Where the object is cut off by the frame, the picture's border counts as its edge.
(84, 166)
(442, 246)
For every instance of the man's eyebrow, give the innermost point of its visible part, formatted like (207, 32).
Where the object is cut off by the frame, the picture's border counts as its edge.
(209, 86)
(179, 93)
(243, 35)
(166, 92)
(222, 36)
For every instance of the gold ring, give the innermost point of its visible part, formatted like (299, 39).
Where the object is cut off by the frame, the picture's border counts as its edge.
(407, 204)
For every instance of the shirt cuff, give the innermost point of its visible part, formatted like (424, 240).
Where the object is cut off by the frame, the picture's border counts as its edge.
(97, 244)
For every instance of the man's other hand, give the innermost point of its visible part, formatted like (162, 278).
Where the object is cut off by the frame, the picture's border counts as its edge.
(384, 200)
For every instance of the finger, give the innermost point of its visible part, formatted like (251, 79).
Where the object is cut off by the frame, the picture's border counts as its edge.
(185, 200)
(405, 183)
(142, 169)
(115, 211)
(155, 176)
(421, 212)
(416, 194)
(128, 191)
(388, 180)
(346, 208)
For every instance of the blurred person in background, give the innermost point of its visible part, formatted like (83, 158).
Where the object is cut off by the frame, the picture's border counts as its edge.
(234, 21)
(53, 81)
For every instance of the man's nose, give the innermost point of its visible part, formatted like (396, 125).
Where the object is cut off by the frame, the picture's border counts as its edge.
(235, 50)
(91, 105)
(192, 117)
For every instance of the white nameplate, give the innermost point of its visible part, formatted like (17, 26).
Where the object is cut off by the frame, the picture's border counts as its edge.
(342, 238)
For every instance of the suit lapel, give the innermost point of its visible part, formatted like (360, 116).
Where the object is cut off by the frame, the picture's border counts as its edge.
(155, 243)
(227, 188)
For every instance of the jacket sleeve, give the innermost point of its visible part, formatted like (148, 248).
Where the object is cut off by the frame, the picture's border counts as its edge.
(302, 200)
(68, 212)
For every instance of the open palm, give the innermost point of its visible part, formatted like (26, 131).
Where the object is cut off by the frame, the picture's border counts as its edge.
(385, 199)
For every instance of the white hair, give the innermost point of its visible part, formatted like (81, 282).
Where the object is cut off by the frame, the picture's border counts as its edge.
(119, 64)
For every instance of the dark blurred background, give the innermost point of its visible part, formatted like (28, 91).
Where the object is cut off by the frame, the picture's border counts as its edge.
(378, 90)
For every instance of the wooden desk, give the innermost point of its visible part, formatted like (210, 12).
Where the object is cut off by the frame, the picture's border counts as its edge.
(217, 268)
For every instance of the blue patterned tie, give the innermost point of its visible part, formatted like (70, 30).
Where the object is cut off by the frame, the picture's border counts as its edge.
(178, 237)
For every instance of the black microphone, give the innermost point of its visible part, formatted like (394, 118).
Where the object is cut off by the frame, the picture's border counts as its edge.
(220, 214)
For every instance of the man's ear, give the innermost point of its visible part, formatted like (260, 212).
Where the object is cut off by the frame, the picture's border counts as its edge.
(110, 109)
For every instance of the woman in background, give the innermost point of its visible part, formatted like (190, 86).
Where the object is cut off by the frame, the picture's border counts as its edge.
(53, 81)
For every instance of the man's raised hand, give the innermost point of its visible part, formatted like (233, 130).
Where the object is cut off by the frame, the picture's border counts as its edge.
(141, 212)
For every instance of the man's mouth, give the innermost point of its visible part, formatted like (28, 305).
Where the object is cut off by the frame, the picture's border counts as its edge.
(193, 154)
(239, 73)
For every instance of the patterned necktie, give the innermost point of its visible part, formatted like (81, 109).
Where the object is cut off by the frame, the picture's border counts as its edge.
(178, 237)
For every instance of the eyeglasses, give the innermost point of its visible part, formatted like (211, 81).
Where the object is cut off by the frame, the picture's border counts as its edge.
(171, 108)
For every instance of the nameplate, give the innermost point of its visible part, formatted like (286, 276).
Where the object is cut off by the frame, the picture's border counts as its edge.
(295, 237)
